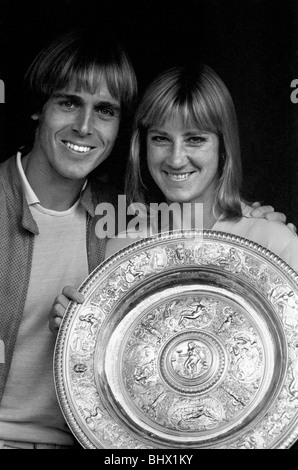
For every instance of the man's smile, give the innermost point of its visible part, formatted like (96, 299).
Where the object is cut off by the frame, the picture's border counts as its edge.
(76, 147)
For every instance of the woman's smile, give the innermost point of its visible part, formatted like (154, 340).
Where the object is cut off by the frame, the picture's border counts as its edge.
(178, 176)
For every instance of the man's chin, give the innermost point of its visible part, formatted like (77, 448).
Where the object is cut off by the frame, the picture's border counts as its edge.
(75, 175)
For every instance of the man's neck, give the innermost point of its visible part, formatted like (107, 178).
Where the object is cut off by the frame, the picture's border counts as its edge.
(53, 191)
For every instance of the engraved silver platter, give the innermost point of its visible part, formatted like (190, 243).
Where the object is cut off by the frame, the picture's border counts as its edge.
(185, 340)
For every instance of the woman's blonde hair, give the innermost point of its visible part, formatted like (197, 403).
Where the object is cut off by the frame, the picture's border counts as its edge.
(202, 100)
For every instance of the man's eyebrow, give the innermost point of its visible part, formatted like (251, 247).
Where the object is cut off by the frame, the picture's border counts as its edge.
(109, 104)
(66, 96)
(113, 105)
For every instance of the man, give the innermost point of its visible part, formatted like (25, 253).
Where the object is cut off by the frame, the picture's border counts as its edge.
(82, 86)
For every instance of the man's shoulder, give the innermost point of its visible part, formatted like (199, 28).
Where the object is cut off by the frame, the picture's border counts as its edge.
(7, 169)
(7, 163)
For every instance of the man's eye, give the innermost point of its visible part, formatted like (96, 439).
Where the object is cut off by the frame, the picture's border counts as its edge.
(107, 112)
(67, 104)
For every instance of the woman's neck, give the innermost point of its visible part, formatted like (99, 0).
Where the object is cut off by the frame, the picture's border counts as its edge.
(190, 216)
(209, 219)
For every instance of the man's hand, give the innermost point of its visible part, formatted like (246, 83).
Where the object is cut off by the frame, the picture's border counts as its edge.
(59, 306)
(268, 212)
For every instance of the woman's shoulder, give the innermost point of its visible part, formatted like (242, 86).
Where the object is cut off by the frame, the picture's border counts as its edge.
(268, 230)
(275, 236)
(271, 234)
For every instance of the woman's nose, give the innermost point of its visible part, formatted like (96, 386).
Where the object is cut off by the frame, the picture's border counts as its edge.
(83, 123)
(177, 155)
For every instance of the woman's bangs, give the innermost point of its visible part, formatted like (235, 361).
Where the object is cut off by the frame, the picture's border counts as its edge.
(198, 115)
(191, 116)
(160, 114)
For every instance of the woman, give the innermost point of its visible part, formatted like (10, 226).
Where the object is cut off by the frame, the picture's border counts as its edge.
(185, 149)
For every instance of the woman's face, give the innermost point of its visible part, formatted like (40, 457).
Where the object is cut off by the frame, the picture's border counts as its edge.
(183, 161)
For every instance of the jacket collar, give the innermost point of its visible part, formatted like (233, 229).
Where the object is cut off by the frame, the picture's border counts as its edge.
(14, 191)
(86, 200)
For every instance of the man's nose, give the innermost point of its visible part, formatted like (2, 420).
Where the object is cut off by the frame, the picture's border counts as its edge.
(177, 156)
(83, 123)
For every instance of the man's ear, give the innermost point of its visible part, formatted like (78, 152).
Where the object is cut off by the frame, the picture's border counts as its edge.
(35, 116)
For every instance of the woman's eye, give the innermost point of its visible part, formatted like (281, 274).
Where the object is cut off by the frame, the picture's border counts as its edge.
(159, 139)
(196, 140)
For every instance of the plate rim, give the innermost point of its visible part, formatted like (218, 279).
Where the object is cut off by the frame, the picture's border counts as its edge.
(181, 235)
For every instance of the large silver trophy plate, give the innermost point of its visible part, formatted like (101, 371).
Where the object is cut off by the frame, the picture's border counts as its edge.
(185, 340)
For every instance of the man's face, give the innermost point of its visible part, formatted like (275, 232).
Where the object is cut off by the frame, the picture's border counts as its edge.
(77, 131)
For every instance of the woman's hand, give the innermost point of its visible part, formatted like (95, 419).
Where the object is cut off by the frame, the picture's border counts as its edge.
(59, 306)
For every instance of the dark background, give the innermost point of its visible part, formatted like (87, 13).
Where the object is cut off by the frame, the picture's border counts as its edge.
(251, 44)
